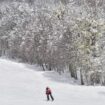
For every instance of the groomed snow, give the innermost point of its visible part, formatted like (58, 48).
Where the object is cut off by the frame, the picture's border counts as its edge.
(22, 84)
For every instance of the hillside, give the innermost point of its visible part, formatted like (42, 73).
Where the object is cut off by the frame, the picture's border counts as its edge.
(22, 84)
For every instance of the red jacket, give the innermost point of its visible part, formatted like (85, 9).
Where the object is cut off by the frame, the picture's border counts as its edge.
(48, 91)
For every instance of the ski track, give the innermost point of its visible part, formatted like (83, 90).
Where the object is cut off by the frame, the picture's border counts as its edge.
(22, 85)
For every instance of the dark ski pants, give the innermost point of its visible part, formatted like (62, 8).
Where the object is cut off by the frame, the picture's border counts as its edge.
(50, 96)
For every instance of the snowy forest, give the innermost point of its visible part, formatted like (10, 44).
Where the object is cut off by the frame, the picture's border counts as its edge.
(60, 35)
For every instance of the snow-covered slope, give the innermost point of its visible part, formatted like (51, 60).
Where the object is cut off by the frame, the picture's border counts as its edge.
(20, 84)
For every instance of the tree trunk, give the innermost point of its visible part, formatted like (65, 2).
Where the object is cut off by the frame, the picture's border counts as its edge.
(81, 77)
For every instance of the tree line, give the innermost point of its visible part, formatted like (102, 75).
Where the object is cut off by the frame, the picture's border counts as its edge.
(63, 36)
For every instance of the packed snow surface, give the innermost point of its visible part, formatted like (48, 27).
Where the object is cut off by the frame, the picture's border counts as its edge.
(23, 84)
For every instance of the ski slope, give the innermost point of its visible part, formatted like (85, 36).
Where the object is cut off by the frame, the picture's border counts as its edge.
(21, 84)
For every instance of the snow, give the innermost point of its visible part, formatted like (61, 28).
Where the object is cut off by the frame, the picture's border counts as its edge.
(23, 84)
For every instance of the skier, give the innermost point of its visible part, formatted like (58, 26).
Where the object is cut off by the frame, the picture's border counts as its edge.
(49, 94)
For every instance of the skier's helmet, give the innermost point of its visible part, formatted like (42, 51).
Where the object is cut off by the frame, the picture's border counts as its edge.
(47, 88)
